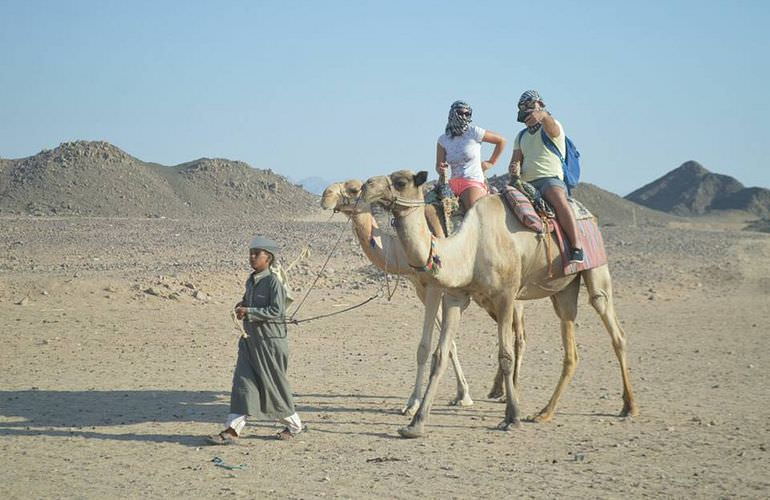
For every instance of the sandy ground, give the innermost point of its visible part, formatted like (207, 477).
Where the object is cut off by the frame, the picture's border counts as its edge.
(118, 349)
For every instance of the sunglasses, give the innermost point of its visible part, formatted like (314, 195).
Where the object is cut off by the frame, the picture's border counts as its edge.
(463, 112)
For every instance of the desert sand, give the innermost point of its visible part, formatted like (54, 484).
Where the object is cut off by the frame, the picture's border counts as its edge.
(118, 350)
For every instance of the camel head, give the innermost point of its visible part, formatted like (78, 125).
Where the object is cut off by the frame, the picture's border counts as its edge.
(399, 189)
(343, 197)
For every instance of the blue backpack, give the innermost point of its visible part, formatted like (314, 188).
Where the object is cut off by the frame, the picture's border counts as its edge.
(570, 165)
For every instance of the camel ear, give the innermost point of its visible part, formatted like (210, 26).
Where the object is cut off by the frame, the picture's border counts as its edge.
(420, 178)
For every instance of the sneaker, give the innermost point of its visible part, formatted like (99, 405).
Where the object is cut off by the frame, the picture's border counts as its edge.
(576, 256)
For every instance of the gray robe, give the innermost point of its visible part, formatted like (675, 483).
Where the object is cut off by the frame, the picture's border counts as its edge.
(260, 386)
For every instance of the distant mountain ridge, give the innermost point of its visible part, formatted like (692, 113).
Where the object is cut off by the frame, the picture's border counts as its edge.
(96, 178)
(315, 185)
(691, 189)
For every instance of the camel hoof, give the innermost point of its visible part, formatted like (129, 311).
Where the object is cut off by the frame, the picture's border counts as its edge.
(541, 418)
(466, 401)
(509, 426)
(495, 394)
(630, 412)
(410, 432)
(410, 408)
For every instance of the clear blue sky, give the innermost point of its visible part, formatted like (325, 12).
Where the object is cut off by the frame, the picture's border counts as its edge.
(354, 89)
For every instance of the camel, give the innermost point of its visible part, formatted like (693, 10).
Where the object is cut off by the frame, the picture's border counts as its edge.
(495, 260)
(386, 253)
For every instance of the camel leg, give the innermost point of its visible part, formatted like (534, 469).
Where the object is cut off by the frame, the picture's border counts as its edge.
(451, 311)
(432, 301)
(599, 285)
(565, 304)
(506, 362)
(520, 341)
(463, 397)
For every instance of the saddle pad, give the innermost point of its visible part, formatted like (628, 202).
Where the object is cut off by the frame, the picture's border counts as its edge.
(523, 209)
(593, 246)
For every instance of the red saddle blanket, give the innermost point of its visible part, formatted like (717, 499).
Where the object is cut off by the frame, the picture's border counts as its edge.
(593, 244)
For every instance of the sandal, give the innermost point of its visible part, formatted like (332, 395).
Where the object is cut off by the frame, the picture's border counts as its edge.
(286, 434)
(223, 438)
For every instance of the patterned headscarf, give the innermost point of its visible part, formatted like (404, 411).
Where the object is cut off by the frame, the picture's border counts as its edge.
(457, 124)
(530, 96)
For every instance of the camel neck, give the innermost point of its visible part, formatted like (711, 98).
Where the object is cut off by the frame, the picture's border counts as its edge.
(415, 236)
(382, 250)
(455, 263)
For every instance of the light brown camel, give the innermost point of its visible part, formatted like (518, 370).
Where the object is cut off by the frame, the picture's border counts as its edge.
(497, 261)
(387, 253)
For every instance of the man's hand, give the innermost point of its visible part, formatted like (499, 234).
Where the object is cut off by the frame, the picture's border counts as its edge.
(514, 169)
(442, 168)
(535, 117)
(240, 312)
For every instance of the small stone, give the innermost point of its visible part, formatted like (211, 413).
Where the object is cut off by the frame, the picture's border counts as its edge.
(152, 291)
(24, 301)
(200, 295)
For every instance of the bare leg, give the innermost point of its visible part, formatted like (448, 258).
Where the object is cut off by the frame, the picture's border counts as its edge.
(434, 222)
(565, 304)
(599, 286)
(451, 311)
(558, 198)
(471, 196)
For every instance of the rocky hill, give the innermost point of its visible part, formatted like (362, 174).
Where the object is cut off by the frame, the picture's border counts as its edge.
(608, 207)
(693, 190)
(98, 179)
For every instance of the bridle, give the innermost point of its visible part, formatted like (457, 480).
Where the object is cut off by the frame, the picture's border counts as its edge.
(346, 201)
(410, 205)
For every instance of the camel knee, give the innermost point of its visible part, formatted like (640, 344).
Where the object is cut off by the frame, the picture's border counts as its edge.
(438, 362)
(599, 302)
(423, 351)
(570, 364)
(505, 364)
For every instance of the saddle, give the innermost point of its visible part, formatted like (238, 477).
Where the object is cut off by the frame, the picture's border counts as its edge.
(535, 213)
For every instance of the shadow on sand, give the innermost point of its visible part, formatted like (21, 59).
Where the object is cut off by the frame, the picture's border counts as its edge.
(85, 414)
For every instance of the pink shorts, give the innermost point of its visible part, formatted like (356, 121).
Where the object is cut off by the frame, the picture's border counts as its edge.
(459, 185)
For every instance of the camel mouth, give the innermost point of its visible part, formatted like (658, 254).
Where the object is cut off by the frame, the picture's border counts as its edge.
(374, 191)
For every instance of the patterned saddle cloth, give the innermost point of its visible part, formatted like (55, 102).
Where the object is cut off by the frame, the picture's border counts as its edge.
(545, 222)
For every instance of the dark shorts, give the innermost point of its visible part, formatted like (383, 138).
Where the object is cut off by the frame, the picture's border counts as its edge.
(545, 183)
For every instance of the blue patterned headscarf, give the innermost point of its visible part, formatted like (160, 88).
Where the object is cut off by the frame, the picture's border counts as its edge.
(456, 123)
(530, 96)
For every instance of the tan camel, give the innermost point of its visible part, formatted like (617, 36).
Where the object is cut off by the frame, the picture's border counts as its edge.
(497, 261)
(387, 253)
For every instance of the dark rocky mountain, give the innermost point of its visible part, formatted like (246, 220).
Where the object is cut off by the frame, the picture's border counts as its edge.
(99, 179)
(693, 190)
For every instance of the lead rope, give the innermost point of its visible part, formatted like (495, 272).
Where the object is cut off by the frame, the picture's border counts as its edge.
(318, 275)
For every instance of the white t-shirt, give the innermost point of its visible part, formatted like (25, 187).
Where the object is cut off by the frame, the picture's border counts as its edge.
(463, 153)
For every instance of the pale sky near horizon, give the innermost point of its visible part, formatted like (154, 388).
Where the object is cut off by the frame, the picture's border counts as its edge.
(354, 89)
